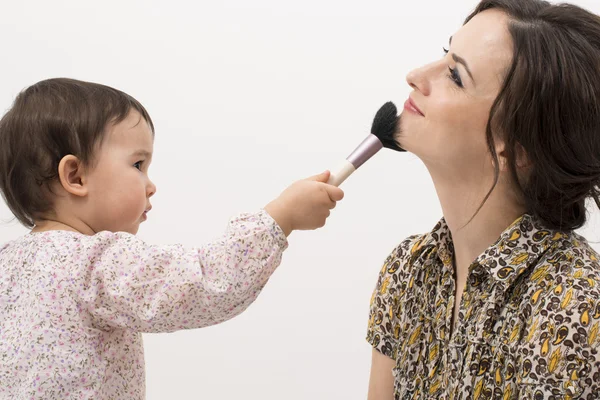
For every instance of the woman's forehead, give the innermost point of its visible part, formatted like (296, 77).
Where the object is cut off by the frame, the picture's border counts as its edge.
(485, 43)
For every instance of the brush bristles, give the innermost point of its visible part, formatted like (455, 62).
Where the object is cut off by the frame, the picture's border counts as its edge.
(385, 124)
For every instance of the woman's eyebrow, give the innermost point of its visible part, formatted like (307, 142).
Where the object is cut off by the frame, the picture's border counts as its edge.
(462, 61)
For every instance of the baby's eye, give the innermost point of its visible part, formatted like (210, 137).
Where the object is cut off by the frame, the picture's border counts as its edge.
(138, 165)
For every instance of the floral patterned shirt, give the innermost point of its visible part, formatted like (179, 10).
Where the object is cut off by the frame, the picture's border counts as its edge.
(528, 323)
(72, 307)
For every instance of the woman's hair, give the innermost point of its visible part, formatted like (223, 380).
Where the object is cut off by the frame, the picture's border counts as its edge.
(549, 105)
(48, 121)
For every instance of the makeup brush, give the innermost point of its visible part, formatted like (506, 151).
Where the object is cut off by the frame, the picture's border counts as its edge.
(382, 135)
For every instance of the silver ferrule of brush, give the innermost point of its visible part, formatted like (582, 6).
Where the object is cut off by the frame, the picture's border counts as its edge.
(367, 149)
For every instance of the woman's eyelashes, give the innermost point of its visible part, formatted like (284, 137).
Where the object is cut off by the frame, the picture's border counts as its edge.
(454, 75)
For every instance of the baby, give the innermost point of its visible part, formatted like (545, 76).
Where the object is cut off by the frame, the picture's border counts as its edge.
(77, 292)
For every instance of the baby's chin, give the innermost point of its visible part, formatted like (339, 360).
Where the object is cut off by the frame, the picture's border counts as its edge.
(128, 229)
(134, 230)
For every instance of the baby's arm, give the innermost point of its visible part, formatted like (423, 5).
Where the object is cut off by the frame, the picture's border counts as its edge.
(129, 284)
(126, 283)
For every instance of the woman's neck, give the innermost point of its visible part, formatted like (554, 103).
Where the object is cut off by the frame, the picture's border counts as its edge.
(460, 199)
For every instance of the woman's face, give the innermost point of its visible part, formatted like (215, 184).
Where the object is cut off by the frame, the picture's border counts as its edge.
(452, 97)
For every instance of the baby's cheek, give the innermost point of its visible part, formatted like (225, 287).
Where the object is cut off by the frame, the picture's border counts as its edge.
(138, 196)
(135, 199)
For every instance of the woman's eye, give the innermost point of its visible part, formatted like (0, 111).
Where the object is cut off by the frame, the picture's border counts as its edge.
(138, 165)
(454, 75)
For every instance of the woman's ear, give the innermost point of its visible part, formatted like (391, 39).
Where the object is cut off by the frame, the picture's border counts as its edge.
(523, 161)
(72, 175)
(521, 158)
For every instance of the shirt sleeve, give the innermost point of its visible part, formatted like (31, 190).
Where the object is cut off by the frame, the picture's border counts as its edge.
(126, 283)
(383, 327)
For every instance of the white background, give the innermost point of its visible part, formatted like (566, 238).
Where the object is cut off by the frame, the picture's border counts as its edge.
(248, 96)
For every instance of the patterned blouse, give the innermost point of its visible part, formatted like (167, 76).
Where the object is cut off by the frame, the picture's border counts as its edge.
(528, 324)
(72, 307)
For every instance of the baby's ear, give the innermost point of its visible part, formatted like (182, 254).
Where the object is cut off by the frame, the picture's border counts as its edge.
(71, 174)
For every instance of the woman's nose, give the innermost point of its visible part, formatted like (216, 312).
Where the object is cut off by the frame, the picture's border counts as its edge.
(420, 78)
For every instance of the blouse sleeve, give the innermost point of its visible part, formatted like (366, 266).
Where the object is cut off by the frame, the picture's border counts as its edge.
(123, 282)
(383, 328)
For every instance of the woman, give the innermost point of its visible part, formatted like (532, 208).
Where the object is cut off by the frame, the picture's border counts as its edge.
(501, 299)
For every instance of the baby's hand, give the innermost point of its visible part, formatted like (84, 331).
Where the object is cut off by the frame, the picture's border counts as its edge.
(305, 204)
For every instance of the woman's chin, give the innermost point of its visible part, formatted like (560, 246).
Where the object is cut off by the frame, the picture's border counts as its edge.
(410, 143)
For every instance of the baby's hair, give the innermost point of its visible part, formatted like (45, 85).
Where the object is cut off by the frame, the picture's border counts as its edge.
(47, 121)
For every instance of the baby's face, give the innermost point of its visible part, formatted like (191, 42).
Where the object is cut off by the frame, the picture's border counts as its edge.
(119, 186)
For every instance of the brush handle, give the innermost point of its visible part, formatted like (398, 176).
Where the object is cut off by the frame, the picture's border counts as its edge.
(339, 174)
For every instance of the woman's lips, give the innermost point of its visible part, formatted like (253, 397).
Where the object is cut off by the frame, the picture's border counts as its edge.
(410, 106)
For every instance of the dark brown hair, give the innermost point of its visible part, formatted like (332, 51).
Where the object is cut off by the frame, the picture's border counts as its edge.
(550, 105)
(48, 121)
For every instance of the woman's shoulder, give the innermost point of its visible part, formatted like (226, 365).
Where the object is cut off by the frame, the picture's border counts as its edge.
(573, 262)
(413, 251)
(408, 247)
(565, 286)
(562, 328)
(418, 246)
(567, 276)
